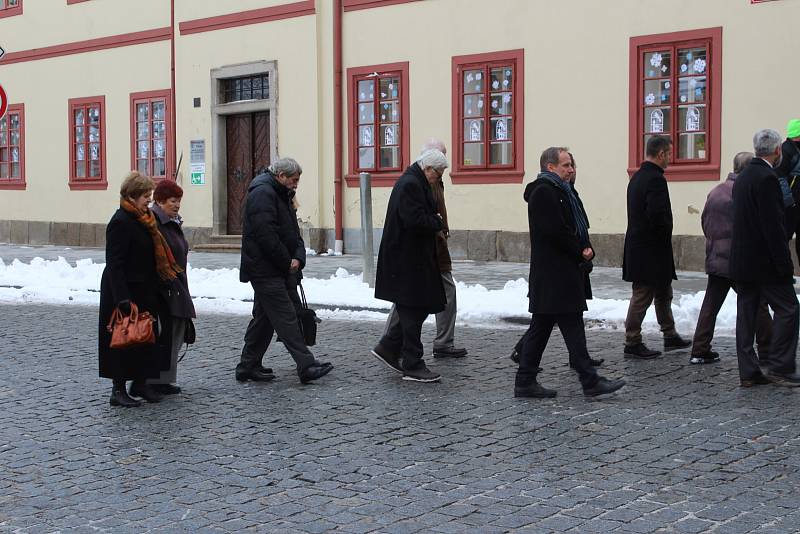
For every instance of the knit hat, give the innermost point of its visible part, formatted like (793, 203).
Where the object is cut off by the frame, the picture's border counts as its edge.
(793, 129)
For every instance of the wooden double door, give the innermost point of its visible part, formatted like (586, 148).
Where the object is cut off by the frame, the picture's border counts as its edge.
(248, 149)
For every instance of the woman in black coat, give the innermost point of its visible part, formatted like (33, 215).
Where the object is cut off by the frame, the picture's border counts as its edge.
(167, 197)
(137, 260)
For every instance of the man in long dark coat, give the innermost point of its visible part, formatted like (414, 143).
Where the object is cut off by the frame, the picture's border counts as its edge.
(560, 250)
(408, 270)
(762, 267)
(648, 262)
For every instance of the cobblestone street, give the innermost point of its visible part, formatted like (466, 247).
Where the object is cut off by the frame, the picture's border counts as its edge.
(681, 448)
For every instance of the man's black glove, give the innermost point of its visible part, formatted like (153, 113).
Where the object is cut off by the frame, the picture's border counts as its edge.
(125, 307)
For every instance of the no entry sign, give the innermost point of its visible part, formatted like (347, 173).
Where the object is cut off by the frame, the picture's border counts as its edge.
(3, 102)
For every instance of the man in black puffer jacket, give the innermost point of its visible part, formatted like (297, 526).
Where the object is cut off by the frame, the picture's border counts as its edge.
(272, 253)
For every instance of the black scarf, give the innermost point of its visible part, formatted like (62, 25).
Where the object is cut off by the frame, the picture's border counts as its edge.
(581, 224)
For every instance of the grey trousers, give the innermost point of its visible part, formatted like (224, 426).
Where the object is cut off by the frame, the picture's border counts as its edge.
(274, 312)
(171, 375)
(783, 349)
(445, 319)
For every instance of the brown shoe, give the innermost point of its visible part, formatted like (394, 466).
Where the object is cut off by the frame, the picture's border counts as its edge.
(757, 380)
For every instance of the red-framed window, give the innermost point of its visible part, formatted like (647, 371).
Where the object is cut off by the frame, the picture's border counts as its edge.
(488, 98)
(378, 124)
(87, 143)
(675, 87)
(9, 8)
(151, 133)
(12, 148)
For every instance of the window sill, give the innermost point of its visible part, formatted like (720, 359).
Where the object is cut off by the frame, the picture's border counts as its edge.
(88, 186)
(688, 173)
(11, 12)
(12, 186)
(381, 179)
(487, 177)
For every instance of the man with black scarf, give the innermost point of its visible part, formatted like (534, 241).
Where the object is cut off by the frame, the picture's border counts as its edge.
(560, 249)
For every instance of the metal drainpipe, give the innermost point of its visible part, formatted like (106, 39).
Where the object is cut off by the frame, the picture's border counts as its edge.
(338, 183)
(173, 114)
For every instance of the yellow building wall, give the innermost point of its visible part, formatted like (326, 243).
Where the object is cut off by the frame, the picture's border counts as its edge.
(576, 92)
(53, 22)
(45, 87)
(576, 88)
(291, 43)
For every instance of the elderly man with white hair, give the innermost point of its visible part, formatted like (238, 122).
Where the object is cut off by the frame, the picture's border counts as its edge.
(761, 266)
(408, 271)
(444, 342)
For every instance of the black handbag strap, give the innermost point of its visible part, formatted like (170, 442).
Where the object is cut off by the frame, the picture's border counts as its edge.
(302, 295)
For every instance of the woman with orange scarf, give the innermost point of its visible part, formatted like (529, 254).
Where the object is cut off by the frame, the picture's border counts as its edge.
(138, 262)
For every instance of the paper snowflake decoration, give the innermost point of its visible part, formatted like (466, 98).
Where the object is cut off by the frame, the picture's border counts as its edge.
(655, 60)
(650, 99)
(699, 65)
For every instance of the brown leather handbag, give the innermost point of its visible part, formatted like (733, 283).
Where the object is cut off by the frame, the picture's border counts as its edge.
(131, 330)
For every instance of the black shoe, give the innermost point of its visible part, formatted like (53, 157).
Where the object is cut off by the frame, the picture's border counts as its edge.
(603, 386)
(514, 356)
(757, 380)
(449, 352)
(145, 391)
(389, 358)
(640, 352)
(266, 370)
(120, 397)
(779, 379)
(421, 374)
(534, 390)
(315, 371)
(706, 357)
(594, 362)
(259, 374)
(166, 389)
(675, 342)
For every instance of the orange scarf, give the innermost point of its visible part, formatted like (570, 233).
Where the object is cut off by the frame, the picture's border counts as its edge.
(166, 265)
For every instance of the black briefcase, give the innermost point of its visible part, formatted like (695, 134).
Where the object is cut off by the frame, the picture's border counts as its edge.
(308, 320)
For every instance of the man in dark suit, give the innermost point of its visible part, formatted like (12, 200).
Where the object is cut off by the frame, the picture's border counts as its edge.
(558, 281)
(648, 262)
(408, 270)
(762, 267)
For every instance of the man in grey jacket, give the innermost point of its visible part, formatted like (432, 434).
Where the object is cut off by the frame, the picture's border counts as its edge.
(717, 221)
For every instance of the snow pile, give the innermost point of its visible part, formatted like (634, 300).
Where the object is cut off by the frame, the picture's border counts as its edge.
(343, 296)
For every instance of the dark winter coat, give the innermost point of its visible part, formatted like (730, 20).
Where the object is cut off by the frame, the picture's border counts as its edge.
(442, 251)
(130, 274)
(558, 281)
(790, 169)
(759, 250)
(270, 233)
(408, 270)
(647, 257)
(178, 296)
(717, 221)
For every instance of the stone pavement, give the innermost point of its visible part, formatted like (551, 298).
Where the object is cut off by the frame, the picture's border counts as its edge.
(681, 449)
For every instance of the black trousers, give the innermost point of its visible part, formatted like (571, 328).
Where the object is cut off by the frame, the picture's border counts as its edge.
(574, 333)
(716, 292)
(274, 310)
(405, 336)
(783, 349)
